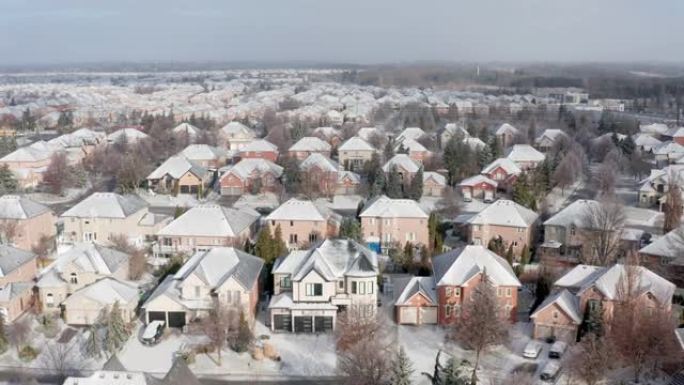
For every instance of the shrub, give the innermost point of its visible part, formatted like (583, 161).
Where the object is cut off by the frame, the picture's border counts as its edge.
(28, 353)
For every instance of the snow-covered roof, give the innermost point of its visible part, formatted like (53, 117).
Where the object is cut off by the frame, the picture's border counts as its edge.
(105, 291)
(506, 164)
(332, 259)
(477, 179)
(524, 153)
(668, 148)
(34, 152)
(647, 141)
(260, 145)
(385, 207)
(668, 245)
(407, 287)
(236, 128)
(200, 152)
(18, 207)
(88, 258)
(12, 290)
(131, 135)
(211, 220)
(551, 134)
(402, 161)
(216, 265)
(12, 258)
(176, 167)
(246, 167)
(411, 145)
(366, 133)
(327, 132)
(474, 143)
(456, 129)
(505, 213)
(319, 160)
(654, 128)
(300, 210)
(574, 214)
(566, 301)
(437, 177)
(506, 129)
(108, 377)
(352, 176)
(458, 266)
(106, 205)
(186, 128)
(356, 143)
(414, 133)
(310, 143)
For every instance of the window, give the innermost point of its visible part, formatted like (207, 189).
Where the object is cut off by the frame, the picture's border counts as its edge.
(508, 292)
(573, 229)
(291, 223)
(236, 297)
(521, 229)
(372, 221)
(555, 314)
(447, 292)
(447, 310)
(370, 287)
(314, 289)
(73, 278)
(388, 238)
(293, 239)
(353, 287)
(457, 310)
(273, 223)
(50, 300)
(362, 288)
(499, 292)
(341, 284)
(457, 291)
(387, 222)
(285, 283)
(89, 237)
(313, 237)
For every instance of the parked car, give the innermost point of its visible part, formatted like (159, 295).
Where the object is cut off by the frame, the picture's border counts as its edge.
(532, 349)
(153, 332)
(550, 371)
(557, 349)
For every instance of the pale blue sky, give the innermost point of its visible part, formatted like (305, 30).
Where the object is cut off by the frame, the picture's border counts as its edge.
(353, 31)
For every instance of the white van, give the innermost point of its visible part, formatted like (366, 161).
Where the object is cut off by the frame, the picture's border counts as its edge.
(532, 349)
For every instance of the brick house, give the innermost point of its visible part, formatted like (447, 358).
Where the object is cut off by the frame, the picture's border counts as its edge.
(235, 135)
(416, 151)
(309, 145)
(406, 167)
(248, 175)
(387, 222)
(204, 155)
(506, 133)
(434, 184)
(503, 171)
(525, 156)
(259, 149)
(480, 187)
(514, 224)
(303, 222)
(321, 173)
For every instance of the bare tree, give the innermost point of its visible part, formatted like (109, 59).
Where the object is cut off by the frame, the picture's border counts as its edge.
(673, 204)
(57, 174)
(482, 324)
(137, 263)
(602, 227)
(590, 359)
(605, 177)
(449, 206)
(9, 230)
(219, 325)
(364, 349)
(18, 332)
(62, 359)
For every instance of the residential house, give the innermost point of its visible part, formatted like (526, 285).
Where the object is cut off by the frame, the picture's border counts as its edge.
(354, 153)
(251, 175)
(678, 136)
(503, 171)
(329, 134)
(506, 135)
(414, 133)
(480, 187)
(387, 222)
(18, 269)
(434, 184)
(205, 226)
(103, 216)
(178, 175)
(85, 306)
(129, 135)
(25, 221)
(259, 149)
(563, 232)
(78, 144)
(524, 156)
(455, 276)
(310, 287)
(668, 152)
(319, 174)
(236, 135)
(406, 167)
(348, 183)
(81, 265)
(548, 138)
(309, 145)
(186, 130)
(368, 133)
(303, 222)
(586, 289)
(663, 256)
(514, 224)
(646, 142)
(654, 187)
(451, 130)
(28, 163)
(224, 274)
(113, 373)
(414, 149)
(210, 157)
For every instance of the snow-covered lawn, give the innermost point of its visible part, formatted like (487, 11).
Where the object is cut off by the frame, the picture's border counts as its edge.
(163, 200)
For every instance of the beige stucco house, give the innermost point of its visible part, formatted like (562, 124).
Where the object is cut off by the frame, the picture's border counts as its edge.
(303, 222)
(27, 220)
(513, 223)
(86, 305)
(18, 269)
(353, 153)
(394, 221)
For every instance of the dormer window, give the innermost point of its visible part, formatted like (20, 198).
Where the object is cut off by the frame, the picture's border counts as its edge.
(73, 278)
(285, 283)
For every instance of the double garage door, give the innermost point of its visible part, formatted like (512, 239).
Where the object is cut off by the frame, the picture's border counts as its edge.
(176, 318)
(309, 324)
(568, 335)
(411, 315)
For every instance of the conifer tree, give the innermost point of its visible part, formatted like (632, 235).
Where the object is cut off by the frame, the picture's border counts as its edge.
(263, 248)
(416, 188)
(509, 254)
(93, 348)
(402, 369)
(8, 183)
(244, 335)
(393, 187)
(117, 334)
(4, 342)
(279, 247)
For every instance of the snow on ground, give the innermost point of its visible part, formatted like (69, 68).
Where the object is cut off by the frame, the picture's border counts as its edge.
(422, 344)
(69, 195)
(558, 199)
(163, 200)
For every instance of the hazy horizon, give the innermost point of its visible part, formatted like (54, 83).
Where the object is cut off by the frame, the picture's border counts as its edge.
(44, 32)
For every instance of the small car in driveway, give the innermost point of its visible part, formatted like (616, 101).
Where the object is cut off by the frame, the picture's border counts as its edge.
(557, 349)
(550, 371)
(152, 333)
(532, 349)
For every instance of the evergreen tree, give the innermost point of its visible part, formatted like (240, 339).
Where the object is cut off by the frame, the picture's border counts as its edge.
(453, 374)
(485, 156)
(93, 348)
(244, 335)
(627, 145)
(408, 251)
(8, 183)
(388, 152)
(4, 342)
(350, 228)
(378, 185)
(393, 187)
(433, 233)
(415, 191)
(117, 333)
(525, 256)
(522, 192)
(263, 248)
(402, 369)
(279, 247)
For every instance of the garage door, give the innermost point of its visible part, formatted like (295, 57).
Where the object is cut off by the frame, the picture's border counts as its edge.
(488, 195)
(303, 324)
(323, 324)
(428, 315)
(176, 319)
(184, 189)
(409, 315)
(467, 195)
(282, 322)
(231, 191)
(156, 316)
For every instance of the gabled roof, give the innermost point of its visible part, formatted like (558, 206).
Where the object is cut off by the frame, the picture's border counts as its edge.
(300, 210)
(474, 143)
(332, 259)
(216, 265)
(356, 143)
(407, 287)
(477, 179)
(343, 174)
(646, 140)
(131, 135)
(106, 205)
(654, 128)
(91, 258)
(180, 374)
(366, 133)
(210, 220)
(456, 129)
(566, 301)
(245, 167)
(186, 128)
(12, 258)
(458, 266)
(18, 207)
(506, 164)
(437, 177)
(12, 290)
(574, 214)
(237, 128)
(36, 151)
(199, 152)
(668, 245)
(260, 145)
(327, 132)
(176, 167)
(551, 134)
(402, 161)
(668, 148)
(505, 213)
(319, 160)
(411, 145)
(106, 291)
(411, 133)
(506, 128)
(312, 144)
(385, 207)
(524, 153)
